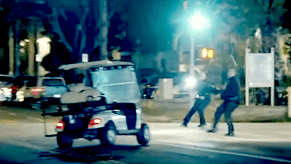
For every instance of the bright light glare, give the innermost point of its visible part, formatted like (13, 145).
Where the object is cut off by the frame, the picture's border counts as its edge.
(190, 82)
(199, 21)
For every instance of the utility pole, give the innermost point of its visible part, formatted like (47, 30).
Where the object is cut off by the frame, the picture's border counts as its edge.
(192, 50)
(192, 55)
(192, 46)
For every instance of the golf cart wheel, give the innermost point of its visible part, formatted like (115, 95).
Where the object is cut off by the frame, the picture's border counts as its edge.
(64, 141)
(108, 135)
(143, 136)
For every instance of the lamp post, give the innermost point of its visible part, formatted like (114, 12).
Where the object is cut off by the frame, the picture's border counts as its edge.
(198, 23)
(192, 59)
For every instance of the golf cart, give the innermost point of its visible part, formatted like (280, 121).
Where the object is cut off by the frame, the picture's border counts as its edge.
(103, 104)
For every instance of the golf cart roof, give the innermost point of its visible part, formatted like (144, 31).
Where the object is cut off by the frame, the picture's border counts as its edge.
(87, 65)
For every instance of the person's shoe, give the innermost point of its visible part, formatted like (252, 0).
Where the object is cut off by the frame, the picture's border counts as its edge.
(184, 125)
(201, 125)
(229, 134)
(211, 130)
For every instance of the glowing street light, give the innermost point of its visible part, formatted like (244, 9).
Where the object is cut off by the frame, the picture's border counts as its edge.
(199, 21)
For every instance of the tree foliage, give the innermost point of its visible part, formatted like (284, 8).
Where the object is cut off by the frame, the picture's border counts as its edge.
(76, 24)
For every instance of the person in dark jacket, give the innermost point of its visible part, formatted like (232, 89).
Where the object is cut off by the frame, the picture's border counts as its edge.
(231, 97)
(205, 89)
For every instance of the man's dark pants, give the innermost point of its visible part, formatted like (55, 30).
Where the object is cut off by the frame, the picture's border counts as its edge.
(199, 106)
(227, 107)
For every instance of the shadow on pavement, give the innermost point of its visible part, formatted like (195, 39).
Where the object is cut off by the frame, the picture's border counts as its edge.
(89, 153)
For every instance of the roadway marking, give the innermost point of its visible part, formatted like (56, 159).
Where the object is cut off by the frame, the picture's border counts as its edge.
(112, 161)
(37, 119)
(12, 114)
(229, 153)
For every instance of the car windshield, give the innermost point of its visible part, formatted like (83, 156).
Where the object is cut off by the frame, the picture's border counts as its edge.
(31, 83)
(52, 82)
(118, 85)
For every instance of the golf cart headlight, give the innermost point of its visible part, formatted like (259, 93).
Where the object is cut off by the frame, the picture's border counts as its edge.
(190, 82)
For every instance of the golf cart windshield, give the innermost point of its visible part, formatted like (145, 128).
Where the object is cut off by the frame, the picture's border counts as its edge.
(118, 85)
(115, 79)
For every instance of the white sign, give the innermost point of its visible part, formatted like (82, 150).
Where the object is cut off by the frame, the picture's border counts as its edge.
(260, 72)
(85, 57)
(260, 69)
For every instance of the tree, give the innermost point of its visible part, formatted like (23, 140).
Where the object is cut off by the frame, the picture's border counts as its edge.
(78, 26)
(19, 20)
(286, 18)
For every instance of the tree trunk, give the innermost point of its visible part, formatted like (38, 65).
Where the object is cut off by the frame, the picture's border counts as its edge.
(11, 51)
(104, 30)
(31, 49)
(16, 48)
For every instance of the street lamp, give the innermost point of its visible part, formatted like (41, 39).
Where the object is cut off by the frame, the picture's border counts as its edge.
(199, 21)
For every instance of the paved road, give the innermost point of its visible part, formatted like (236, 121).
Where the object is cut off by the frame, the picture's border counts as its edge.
(22, 141)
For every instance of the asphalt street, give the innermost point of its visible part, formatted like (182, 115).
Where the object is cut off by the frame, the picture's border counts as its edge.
(22, 141)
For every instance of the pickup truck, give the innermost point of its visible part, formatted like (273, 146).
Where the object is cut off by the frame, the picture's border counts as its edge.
(44, 89)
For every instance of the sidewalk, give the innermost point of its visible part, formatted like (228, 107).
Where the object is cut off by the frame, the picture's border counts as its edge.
(244, 132)
(20, 114)
(163, 111)
(176, 109)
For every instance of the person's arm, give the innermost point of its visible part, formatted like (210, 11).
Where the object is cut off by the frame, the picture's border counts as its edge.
(215, 91)
(232, 90)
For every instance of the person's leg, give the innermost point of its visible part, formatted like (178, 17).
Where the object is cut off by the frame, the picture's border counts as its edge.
(219, 111)
(230, 107)
(201, 109)
(191, 112)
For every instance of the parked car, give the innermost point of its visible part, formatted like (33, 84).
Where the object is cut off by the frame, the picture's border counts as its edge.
(109, 111)
(6, 82)
(43, 89)
(2, 97)
(148, 91)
